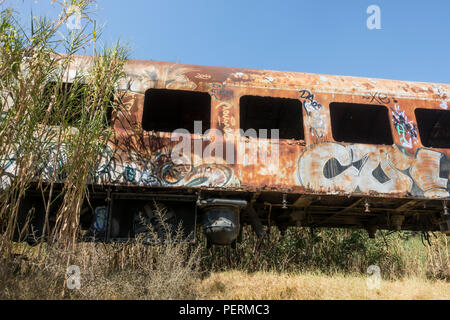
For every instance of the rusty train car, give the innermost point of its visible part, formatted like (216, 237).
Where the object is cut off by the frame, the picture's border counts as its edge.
(223, 147)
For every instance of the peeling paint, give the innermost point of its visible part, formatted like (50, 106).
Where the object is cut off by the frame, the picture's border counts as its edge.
(316, 164)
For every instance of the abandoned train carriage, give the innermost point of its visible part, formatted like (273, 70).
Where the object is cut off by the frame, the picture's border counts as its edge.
(348, 152)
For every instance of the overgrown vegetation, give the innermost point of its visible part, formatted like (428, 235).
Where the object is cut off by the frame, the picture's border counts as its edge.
(51, 133)
(322, 262)
(34, 96)
(169, 270)
(40, 88)
(331, 251)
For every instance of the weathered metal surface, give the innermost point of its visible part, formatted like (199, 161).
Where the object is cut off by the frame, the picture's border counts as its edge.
(405, 169)
(411, 169)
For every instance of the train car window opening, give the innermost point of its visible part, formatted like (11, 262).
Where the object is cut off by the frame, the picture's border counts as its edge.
(167, 110)
(360, 123)
(434, 127)
(72, 113)
(64, 92)
(284, 114)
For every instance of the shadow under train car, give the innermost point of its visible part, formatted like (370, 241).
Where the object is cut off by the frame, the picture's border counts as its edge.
(145, 219)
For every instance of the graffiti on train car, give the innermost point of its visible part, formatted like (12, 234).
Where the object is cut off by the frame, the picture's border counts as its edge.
(51, 166)
(157, 170)
(219, 91)
(168, 76)
(161, 169)
(202, 76)
(315, 114)
(407, 130)
(8, 167)
(379, 97)
(226, 119)
(334, 167)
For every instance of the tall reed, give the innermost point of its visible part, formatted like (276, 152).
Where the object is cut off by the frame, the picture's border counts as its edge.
(53, 117)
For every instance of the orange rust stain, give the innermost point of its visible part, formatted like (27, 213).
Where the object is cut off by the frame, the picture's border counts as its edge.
(325, 88)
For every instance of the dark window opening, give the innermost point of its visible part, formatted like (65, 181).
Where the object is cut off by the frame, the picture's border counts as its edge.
(168, 110)
(434, 127)
(69, 100)
(360, 123)
(272, 113)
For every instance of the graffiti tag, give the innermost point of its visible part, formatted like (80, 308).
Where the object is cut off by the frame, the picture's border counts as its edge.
(406, 130)
(219, 92)
(362, 168)
(379, 97)
(226, 119)
(315, 114)
(202, 76)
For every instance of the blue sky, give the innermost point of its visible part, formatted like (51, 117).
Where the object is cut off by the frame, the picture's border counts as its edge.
(315, 36)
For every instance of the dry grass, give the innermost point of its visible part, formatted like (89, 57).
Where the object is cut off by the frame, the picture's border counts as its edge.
(108, 271)
(172, 271)
(235, 285)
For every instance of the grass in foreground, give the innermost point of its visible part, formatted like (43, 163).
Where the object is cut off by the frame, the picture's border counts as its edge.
(235, 285)
(172, 271)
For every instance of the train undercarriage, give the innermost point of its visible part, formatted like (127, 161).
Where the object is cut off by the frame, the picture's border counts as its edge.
(123, 215)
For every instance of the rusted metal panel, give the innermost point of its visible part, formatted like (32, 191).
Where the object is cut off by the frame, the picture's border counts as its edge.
(405, 169)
